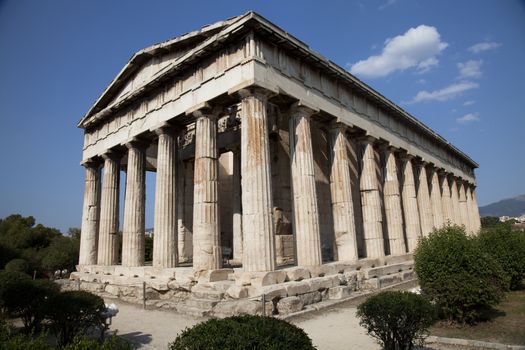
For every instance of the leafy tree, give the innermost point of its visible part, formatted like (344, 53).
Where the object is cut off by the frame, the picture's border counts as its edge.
(61, 254)
(6, 254)
(17, 265)
(489, 221)
(148, 248)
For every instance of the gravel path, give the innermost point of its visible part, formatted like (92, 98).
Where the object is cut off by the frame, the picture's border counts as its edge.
(155, 329)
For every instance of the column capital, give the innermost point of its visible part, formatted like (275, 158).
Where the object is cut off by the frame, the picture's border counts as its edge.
(303, 109)
(112, 154)
(203, 110)
(338, 125)
(91, 163)
(166, 128)
(137, 143)
(367, 139)
(405, 156)
(255, 91)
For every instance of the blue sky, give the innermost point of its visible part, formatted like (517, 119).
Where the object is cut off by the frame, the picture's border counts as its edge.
(458, 66)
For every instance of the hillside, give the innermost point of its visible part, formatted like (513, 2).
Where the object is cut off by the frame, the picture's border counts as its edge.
(510, 207)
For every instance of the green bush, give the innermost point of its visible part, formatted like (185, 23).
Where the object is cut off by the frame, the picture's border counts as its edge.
(11, 340)
(73, 313)
(29, 300)
(507, 246)
(243, 332)
(457, 275)
(17, 265)
(397, 319)
(110, 343)
(7, 280)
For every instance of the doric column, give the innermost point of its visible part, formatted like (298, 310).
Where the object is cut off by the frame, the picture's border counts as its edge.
(257, 224)
(109, 211)
(184, 197)
(306, 211)
(392, 202)
(468, 194)
(206, 240)
(454, 198)
(435, 199)
(134, 206)
(165, 252)
(448, 211)
(341, 193)
(463, 209)
(423, 201)
(237, 206)
(410, 207)
(476, 221)
(90, 215)
(371, 201)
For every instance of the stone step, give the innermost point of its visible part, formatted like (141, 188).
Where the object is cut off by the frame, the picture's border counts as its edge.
(192, 311)
(203, 304)
(206, 293)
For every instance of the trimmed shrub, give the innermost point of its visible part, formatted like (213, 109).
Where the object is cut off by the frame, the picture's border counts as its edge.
(243, 332)
(507, 246)
(398, 320)
(457, 275)
(29, 300)
(73, 313)
(7, 280)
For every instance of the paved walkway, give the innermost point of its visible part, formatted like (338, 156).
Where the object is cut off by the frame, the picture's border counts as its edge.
(333, 329)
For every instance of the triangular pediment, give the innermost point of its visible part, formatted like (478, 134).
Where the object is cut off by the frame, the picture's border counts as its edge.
(150, 62)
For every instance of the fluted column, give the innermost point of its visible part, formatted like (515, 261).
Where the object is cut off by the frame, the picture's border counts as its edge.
(90, 215)
(468, 194)
(463, 209)
(454, 198)
(134, 206)
(448, 210)
(109, 211)
(206, 239)
(165, 253)
(410, 207)
(257, 201)
(184, 197)
(237, 206)
(341, 193)
(435, 199)
(392, 202)
(476, 221)
(423, 201)
(371, 201)
(306, 211)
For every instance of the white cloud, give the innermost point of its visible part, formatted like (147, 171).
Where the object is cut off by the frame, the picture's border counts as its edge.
(468, 118)
(444, 94)
(484, 46)
(470, 69)
(468, 103)
(416, 48)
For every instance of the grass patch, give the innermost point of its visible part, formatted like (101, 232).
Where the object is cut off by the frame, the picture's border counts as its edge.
(505, 323)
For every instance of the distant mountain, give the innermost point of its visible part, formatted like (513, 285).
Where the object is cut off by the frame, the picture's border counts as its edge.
(509, 207)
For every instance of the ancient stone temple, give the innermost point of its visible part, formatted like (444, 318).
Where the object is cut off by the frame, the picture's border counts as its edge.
(278, 173)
